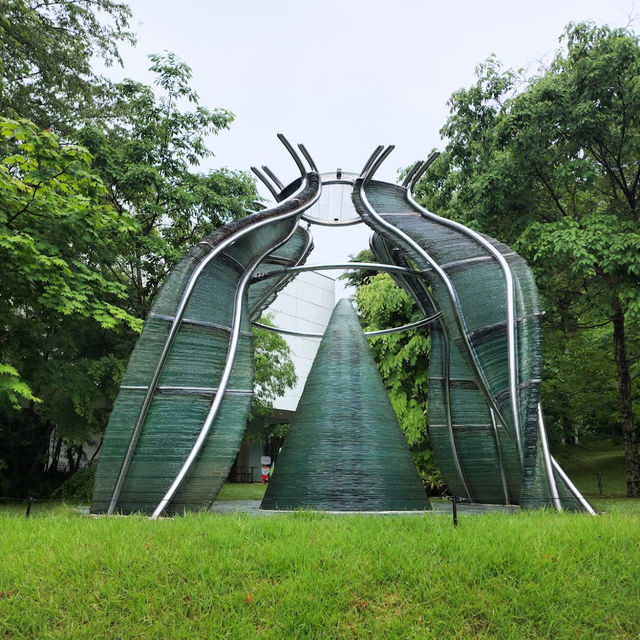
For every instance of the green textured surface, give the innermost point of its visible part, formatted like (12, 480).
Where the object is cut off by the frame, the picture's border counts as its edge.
(294, 251)
(479, 287)
(196, 359)
(345, 450)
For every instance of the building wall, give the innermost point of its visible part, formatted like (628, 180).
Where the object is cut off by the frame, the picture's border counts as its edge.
(304, 305)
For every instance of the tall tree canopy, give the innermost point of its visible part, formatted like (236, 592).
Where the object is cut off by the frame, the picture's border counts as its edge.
(46, 52)
(147, 152)
(551, 165)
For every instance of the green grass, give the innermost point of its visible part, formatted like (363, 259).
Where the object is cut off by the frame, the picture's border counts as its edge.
(305, 575)
(603, 458)
(242, 491)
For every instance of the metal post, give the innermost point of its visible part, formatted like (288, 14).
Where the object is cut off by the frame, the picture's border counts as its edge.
(29, 503)
(454, 509)
(599, 477)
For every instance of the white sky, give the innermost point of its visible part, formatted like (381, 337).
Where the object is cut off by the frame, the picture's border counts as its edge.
(344, 76)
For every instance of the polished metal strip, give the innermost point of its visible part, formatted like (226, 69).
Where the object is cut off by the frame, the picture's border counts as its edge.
(572, 488)
(185, 390)
(404, 327)
(452, 296)
(186, 295)
(331, 223)
(197, 323)
(287, 332)
(308, 157)
(292, 152)
(425, 165)
(503, 475)
(446, 341)
(266, 183)
(273, 176)
(548, 466)
(369, 334)
(371, 159)
(371, 266)
(461, 426)
(411, 173)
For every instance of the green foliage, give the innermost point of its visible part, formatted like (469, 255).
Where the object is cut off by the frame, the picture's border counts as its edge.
(146, 152)
(46, 50)
(551, 165)
(54, 235)
(402, 358)
(274, 369)
(78, 488)
(88, 233)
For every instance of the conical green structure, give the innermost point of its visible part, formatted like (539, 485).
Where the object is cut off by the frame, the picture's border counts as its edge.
(345, 450)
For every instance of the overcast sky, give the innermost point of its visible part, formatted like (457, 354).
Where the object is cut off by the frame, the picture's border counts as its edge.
(343, 77)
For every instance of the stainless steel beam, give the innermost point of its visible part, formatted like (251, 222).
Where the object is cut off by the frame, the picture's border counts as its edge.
(572, 488)
(548, 465)
(510, 304)
(265, 181)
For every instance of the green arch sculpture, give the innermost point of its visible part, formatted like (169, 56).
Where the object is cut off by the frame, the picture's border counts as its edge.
(181, 412)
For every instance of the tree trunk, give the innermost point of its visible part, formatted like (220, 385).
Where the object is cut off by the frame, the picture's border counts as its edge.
(629, 435)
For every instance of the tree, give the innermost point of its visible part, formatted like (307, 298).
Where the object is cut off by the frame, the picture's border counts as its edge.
(46, 51)
(274, 369)
(402, 358)
(551, 165)
(56, 248)
(146, 153)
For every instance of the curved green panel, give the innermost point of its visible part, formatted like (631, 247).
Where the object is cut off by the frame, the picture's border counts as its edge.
(479, 292)
(190, 374)
(345, 450)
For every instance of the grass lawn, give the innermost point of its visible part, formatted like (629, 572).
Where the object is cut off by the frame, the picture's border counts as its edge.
(603, 458)
(241, 491)
(306, 575)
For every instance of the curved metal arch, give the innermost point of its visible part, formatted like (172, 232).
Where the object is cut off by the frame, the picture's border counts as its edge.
(193, 279)
(266, 183)
(353, 266)
(450, 290)
(273, 176)
(370, 334)
(233, 343)
(510, 301)
(292, 152)
(421, 170)
(224, 379)
(447, 382)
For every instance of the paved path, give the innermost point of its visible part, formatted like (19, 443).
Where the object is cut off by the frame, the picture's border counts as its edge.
(440, 508)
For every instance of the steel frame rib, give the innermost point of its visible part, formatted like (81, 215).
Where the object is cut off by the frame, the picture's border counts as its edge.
(572, 488)
(186, 295)
(548, 465)
(447, 367)
(510, 297)
(371, 266)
